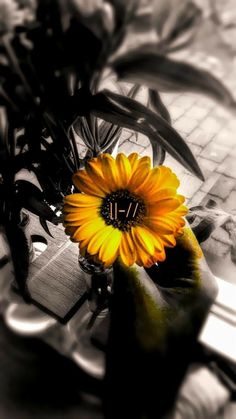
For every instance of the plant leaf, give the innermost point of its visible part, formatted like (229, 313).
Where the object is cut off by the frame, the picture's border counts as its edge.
(131, 114)
(158, 106)
(175, 18)
(124, 12)
(4, 261)
(158, 154)
(28, 196)
(142, 21)
(113, 140)
(21, 161)
(113, 132)
(134, 91)
(109, 133)
(82, 129)
(43, 223)
(164, 74)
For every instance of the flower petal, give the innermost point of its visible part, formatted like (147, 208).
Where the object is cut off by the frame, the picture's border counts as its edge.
(82, 200)
(139, 176)
(72, 209)
(168, 240)
(109, 248)
(81, 216)
(124, 170)
(94, 171)
(161, 225)
(181, 211)
(127, 249)
(158, 244)
(98, 239)
(110, 171)
(157, 257)
(168, 179)
(133, 159)
(87, 230)
(164, 206)
(84, 184)
(161, 178)
(143, 239)
(175, 219)
(141, 256)
(158, 194)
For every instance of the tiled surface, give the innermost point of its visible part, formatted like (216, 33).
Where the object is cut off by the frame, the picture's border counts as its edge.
(228, 167)
(215, 151)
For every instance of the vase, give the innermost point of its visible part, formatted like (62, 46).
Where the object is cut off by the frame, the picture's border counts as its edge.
(89, 327)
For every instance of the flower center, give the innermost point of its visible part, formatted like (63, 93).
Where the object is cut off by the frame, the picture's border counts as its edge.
(123, 209)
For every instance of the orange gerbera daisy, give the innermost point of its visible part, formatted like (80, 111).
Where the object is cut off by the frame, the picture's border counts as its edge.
(125, 208)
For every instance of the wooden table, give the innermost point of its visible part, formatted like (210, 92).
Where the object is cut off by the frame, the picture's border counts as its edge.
(56, 282)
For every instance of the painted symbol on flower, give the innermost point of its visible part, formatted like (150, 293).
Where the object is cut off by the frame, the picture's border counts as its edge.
(126, 209)
(129, 212)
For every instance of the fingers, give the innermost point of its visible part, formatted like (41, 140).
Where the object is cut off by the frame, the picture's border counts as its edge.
(188, 240)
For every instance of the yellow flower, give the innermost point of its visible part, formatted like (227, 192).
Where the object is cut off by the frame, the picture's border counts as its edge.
(126, 209)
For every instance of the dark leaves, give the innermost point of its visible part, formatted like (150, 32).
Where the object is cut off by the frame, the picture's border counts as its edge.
(176, 21)
(124, 13)
(21, 161)
(54, 172)
(43, 223)
(4, 261)
(109, 133)
(158, 154)
(60, 42)
(131, 114)
(164, 74)
(99, 19)
(158, 106)
(31, 198)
